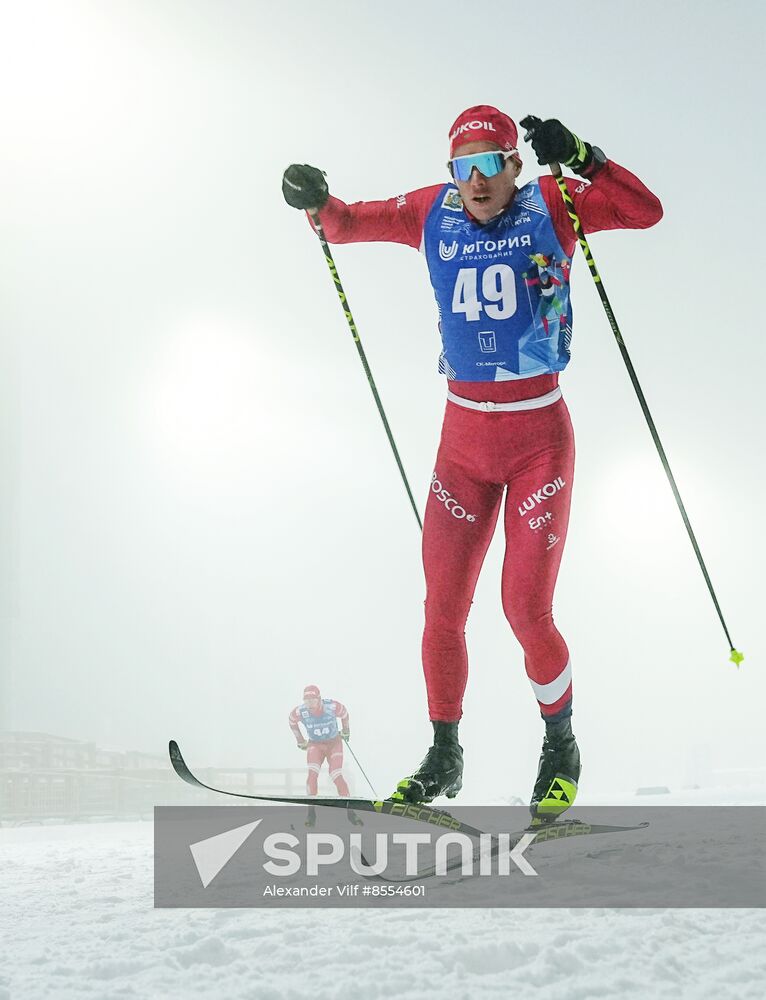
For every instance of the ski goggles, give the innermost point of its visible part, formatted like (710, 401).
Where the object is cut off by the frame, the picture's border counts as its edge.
(488, 164)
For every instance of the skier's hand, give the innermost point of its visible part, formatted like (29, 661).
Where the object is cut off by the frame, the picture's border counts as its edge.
(303, 744)
(554, 143)
(304, 186)
(346, 736)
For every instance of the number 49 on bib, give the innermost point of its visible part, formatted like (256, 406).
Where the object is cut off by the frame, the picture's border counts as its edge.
(498, 290)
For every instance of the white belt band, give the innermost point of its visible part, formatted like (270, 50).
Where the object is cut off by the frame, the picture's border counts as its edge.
(522, 404)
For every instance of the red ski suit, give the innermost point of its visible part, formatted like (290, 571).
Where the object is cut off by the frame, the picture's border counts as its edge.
(527, 452)
(318, 751)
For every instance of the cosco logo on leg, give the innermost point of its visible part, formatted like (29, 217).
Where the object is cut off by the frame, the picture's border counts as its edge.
(445, 497)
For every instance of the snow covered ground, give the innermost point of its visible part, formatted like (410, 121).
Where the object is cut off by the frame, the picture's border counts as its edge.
(77, 921)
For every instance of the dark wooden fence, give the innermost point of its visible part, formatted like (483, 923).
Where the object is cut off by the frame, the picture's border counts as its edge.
(46, 778)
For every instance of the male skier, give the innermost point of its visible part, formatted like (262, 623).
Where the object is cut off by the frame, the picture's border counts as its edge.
(319, 717)
(506, 427)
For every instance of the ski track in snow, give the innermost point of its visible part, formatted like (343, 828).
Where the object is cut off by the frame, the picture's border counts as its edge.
(78, 922)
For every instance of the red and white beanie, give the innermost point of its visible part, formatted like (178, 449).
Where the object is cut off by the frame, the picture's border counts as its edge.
(310, 691)
(483, 123)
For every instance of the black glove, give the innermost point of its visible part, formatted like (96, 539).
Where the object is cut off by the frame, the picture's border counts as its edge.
(304, 186)
(553, 143)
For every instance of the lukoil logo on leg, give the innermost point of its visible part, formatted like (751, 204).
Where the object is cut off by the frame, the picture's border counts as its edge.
(450, 503)
(549, 490)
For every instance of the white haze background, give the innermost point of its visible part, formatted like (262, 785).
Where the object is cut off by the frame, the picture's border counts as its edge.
(200, 513)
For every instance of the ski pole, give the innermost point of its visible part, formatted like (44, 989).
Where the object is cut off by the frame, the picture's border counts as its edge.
(736, 656)
(362, 356)
(375, 794)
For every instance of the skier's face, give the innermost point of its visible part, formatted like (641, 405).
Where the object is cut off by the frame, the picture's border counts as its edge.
(486, 197)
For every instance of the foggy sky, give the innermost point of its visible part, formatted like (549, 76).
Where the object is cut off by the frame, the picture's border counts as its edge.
(200, 511)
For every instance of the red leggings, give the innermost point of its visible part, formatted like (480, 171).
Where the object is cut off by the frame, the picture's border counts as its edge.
(531, 452)
(332, 752)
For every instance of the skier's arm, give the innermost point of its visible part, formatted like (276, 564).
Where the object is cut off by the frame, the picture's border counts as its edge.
(395, 220)
(341, 713)
(614, 199)
(292, 719)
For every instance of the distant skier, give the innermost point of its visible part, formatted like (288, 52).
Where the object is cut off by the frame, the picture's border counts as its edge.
(322, 742)
(506, 427)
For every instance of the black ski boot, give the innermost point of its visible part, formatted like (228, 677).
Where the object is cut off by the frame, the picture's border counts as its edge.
(557, 774)
(440, 771)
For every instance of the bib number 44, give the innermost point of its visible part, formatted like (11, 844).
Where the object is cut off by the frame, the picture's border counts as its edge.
(498, 292)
